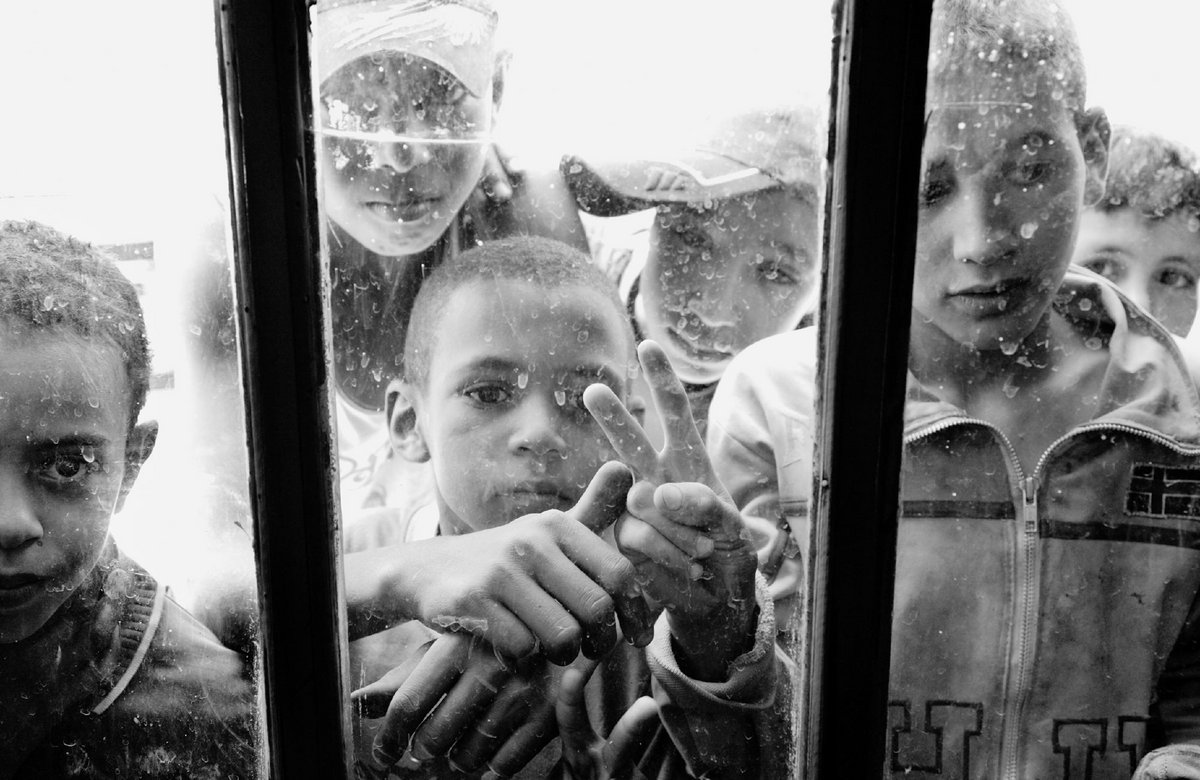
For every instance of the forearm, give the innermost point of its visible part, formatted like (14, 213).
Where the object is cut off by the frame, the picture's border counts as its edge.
(380, 591)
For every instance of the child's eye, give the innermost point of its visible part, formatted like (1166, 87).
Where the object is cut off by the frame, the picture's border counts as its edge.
(489, 394)
(1027, 174)
(61, 468)
(1176, 279)
(934, 190)
(1105, 267)
(775, 272)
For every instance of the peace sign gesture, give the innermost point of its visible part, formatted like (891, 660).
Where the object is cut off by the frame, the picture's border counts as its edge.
(682, 532)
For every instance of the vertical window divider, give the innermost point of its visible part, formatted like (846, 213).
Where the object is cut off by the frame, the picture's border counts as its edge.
(875, 150)
(281, 287)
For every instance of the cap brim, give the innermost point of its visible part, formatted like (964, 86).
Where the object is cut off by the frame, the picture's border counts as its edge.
(610, 188)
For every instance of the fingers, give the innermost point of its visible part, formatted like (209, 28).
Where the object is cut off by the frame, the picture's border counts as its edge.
(670, 398)
(631, 736)
(473, 692)
(622, 429)
(604, 500)
(433, 676)
(490, 732)
(574, 727)
(525, 743)
(373, 699)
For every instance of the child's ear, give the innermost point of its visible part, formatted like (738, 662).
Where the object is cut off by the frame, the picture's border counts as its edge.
(1094, 136)
(403, 431)
(138, 446)
(499, 74)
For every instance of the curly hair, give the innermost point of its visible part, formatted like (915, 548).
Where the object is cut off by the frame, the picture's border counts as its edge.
(49, 280)
(1151, 175)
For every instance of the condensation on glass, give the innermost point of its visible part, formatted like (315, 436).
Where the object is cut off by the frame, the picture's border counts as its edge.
(669, 164)
(115, 222)
(1047, 571)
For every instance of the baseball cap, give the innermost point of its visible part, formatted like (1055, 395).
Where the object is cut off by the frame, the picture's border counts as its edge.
(747, 152)
(456, 35)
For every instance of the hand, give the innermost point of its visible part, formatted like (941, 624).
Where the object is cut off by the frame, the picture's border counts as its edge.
(543, 582)
(683, 533)
(586, 754)
(455, 701)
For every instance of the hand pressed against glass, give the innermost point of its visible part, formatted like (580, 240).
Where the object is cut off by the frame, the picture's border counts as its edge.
(717, 279)
(404, 143)
(682, 533)
(64, 433)
(1156, 262)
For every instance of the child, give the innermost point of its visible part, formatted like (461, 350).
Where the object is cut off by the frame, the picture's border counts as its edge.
(1046, 568)
(102, 674)
(405, 107)
(1144, 234)
(732, 250)
(505, 340)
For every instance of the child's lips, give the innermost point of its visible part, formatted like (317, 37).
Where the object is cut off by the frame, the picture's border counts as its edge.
(18, 589)
(540, 495)
(992, 298)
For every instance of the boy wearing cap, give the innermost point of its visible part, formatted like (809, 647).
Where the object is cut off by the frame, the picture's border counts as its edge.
(731, 253)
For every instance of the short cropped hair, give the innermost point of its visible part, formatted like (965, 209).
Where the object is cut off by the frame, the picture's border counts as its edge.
(50, 281)
(1151, 175)
(968, 35)
(545, 263)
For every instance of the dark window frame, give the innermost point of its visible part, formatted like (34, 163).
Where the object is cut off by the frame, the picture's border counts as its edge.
(879, 67)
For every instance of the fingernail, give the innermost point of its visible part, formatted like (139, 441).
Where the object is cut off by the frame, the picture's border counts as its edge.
(382, 757)
(672, 497)
(704, 547)
(419, 753)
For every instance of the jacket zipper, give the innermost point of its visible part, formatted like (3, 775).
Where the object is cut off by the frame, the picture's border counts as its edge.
(1028, 597)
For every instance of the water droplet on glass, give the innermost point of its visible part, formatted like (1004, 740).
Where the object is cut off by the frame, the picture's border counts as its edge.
(560, 397)
(1028, 229)
(522, 379)
(1085, 305)
(1008, 347)
(1093, 343)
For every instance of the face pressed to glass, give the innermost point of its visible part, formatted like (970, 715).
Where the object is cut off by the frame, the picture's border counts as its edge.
(1156, 262)
(64, 417)
(1003, 182)
(718, 279)
(502, 414)
(403, 146)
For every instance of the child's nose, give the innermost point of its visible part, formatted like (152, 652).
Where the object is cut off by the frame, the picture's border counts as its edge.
(537, 432)
(978, 238)
(717, 303)
(402, 156)
(19, 526)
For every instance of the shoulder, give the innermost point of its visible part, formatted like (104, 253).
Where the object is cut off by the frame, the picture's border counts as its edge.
(189, 706)
(779, 367)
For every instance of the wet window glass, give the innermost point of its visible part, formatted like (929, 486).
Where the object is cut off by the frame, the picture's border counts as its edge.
(124, 517)
(1046, 572)
(551, 231)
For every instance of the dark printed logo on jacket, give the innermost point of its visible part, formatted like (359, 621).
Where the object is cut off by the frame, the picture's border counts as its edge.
(1163, 491)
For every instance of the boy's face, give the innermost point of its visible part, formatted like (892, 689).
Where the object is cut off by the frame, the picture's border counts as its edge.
(502, 414)
(718, 279)
(397, 198)
(1004, 177)
(64, 419)
(1155, 262)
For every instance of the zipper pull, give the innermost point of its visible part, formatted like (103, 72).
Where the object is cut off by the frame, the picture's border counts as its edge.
(1029, 489)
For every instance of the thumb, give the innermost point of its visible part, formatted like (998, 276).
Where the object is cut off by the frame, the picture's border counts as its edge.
(604, 500)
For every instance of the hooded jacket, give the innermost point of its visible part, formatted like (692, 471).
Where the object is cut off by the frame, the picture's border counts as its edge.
(1044, 620)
